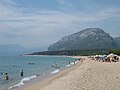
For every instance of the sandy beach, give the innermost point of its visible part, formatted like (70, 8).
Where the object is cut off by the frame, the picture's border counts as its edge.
(86, 75)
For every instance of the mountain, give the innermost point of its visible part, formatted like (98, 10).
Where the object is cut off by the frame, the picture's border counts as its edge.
(87, 39)
(117, 41)
(10, 50)
(15, 49)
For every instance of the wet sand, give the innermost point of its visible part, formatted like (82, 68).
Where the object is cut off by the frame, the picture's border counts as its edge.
(87, 75)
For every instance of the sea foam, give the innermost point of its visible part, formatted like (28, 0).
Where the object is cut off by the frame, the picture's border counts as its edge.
(72, 63)
(55, 71)
(22, 82)
(67, 65)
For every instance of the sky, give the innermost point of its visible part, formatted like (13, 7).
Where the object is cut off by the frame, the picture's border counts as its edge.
(40, 23)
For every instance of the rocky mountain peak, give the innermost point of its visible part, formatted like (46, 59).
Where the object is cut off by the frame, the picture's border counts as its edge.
(90, 38)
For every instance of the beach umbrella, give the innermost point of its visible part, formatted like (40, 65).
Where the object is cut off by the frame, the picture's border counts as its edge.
(96, 55)
(111, 55)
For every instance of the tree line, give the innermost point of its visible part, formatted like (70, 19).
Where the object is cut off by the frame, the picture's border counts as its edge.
(78, 52)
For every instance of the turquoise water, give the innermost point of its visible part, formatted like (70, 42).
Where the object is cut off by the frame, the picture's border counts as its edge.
(31, 65)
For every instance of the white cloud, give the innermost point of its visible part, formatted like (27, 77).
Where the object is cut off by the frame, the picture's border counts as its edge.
(108, 13)
(7, 2)
(44, 26)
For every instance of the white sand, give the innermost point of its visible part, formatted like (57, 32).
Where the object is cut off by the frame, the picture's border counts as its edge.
(88, 75)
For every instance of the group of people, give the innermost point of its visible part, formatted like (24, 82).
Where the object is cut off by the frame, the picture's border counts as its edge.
(77, 60)
(106, 58)
(6, 77)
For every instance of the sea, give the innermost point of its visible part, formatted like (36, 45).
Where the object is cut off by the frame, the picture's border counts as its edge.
(32, 66)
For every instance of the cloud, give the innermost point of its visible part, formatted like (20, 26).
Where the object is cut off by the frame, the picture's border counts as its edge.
(10, 13)
(66, 4)
(7, 2)
(44, 27)
(109, 13)
(9, 35)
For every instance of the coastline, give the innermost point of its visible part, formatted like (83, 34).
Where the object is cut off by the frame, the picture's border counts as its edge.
(42, 78)
(88, 75)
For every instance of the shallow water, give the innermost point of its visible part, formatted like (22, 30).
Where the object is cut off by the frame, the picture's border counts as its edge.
(31, 65)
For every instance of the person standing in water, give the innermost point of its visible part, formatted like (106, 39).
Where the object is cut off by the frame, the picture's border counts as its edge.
(21, 73)
(6, 77)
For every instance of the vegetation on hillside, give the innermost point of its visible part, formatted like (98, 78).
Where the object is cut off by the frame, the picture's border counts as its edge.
(77, 52)
(115, 52)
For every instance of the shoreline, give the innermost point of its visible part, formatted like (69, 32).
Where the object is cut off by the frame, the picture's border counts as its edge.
(42, 78)
(88, 75)
(46, 81)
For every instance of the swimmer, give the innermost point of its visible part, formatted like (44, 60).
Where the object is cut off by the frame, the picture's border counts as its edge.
(6, 77)
(21, 73)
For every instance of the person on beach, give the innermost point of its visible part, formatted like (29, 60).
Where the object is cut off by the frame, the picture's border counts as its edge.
(74, 62)
(6, 77)
(69, 62)
(82, 60)
(21, 73)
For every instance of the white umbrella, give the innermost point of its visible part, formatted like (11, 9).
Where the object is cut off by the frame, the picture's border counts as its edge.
(111, 55)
